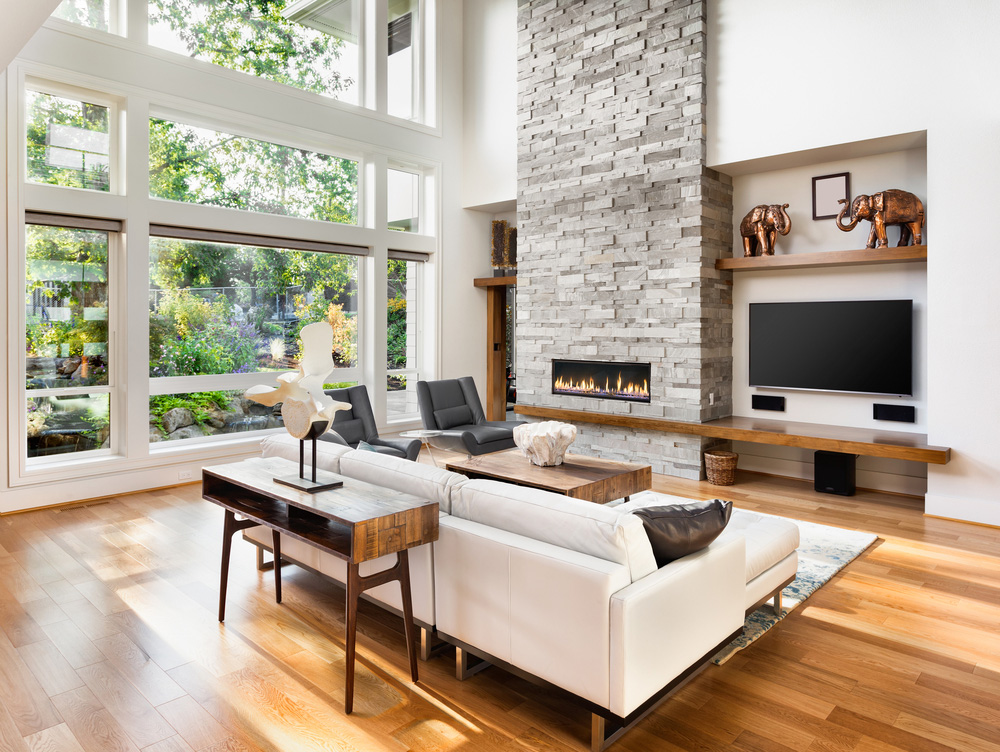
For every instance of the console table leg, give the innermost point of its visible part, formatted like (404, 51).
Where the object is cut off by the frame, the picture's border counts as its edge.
(228, 529)
(353, 591)
(408, 627)
(276, 543)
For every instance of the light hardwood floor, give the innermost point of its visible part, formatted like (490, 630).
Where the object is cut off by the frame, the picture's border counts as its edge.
(109, 641)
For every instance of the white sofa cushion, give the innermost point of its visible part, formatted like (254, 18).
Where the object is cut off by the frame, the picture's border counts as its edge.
(407, 476)
(769, 539)
(569, 523)
(328, 454)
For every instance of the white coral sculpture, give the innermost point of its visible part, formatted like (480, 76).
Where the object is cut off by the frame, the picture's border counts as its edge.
(303, 401)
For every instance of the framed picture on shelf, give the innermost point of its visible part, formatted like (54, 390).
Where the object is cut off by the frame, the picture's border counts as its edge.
(827, 191)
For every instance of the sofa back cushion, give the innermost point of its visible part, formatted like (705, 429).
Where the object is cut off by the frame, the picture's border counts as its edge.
(410, 477)
(328, 454)
(569, 523)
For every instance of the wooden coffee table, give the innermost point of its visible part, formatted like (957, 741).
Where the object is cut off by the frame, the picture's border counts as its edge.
(356, 522)
(580, 477)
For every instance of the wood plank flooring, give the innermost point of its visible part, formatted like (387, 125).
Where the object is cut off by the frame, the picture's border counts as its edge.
(109, 641)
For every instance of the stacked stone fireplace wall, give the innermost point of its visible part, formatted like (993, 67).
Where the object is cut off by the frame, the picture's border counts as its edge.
(619, 220)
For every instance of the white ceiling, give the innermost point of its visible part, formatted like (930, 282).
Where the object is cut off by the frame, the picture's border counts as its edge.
(21, 19)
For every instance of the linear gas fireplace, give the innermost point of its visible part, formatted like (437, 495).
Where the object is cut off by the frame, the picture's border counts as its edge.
(600, 378)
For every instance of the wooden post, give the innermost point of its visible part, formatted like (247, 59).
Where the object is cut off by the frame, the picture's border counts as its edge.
(496, 357)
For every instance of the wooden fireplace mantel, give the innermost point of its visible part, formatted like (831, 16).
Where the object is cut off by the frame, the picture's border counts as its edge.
(870, 442)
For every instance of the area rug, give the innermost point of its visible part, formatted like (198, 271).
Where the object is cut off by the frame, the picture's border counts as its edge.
(823, 551)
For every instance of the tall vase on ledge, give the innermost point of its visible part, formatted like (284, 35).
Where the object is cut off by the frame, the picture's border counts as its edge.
(503, 248)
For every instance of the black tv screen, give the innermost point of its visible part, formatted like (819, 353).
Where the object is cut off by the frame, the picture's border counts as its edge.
(863, 346)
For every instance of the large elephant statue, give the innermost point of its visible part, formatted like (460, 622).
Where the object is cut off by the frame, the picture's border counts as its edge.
(890, 207)
(761, 227)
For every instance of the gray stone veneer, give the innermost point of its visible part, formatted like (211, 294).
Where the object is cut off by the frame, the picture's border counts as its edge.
(619, 220)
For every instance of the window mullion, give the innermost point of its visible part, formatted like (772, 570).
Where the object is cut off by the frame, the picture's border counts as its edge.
(133, 279)
(136, 19)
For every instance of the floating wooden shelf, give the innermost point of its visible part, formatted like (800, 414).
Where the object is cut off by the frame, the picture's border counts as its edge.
(865, 441)
(892, 255)
(494, 281)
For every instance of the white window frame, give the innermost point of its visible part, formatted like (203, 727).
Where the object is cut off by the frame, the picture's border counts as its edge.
(132, 33)
(137, 210)
(116, 186)
(27, 466)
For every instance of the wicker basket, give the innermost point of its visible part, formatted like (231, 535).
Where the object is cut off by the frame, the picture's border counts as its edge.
(721, 467)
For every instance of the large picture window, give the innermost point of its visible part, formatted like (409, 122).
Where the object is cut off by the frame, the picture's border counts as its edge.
(257, 37)
(201, 166)
(67, 364)
(226, 309)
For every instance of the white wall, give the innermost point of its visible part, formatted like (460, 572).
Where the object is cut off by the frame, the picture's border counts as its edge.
(902, 169)
(490, 39)
(820, 74)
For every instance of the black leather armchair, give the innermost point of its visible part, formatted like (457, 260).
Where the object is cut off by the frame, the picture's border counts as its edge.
(358, 424)
(452, 406)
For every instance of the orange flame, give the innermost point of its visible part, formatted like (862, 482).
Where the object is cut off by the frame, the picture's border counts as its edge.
(588, 387)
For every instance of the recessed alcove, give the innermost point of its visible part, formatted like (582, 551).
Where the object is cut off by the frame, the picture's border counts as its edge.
(833, 265)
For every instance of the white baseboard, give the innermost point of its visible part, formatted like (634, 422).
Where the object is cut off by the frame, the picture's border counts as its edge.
(121, 482)
(982, 511)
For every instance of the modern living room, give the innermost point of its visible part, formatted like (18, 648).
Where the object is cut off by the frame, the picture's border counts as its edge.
(406, 226)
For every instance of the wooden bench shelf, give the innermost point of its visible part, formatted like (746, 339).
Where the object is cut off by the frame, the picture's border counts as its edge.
(494, 281)
(891, 255)
(865, 441)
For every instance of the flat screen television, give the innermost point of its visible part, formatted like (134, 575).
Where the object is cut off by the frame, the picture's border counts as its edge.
(862, 346)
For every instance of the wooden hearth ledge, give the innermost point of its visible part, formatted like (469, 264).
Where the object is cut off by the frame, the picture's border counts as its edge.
(871, 442)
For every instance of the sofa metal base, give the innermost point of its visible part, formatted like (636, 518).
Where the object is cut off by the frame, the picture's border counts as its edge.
(775, 595)
(605, 727)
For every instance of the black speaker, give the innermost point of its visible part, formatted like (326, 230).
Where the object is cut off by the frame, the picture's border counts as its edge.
(835, 472)
(767, 402)
(899, 413)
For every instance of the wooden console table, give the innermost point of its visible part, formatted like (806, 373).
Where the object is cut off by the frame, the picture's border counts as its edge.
(356, 522)
(871, 442)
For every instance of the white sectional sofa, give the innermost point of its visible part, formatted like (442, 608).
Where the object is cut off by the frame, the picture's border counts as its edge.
(562, 590)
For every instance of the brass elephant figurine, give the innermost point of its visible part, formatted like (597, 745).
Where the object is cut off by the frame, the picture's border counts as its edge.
(761, 227)
(890, 207)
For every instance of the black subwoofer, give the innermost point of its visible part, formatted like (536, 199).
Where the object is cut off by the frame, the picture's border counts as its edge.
(835, 472)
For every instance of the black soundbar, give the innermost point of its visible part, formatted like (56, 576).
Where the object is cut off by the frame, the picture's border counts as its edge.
(898, 413)
(767, 402)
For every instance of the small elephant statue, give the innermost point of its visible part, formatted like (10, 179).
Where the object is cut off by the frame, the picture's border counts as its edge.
(761, 227)
(890, 207)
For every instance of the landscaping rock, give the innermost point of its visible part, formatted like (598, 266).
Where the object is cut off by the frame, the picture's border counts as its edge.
(68, 366)
(176, 418)
(187, 432)
(155, 435)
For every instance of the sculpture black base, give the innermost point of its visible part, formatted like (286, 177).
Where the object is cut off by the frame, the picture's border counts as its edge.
(310, 486)
(317, 483)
